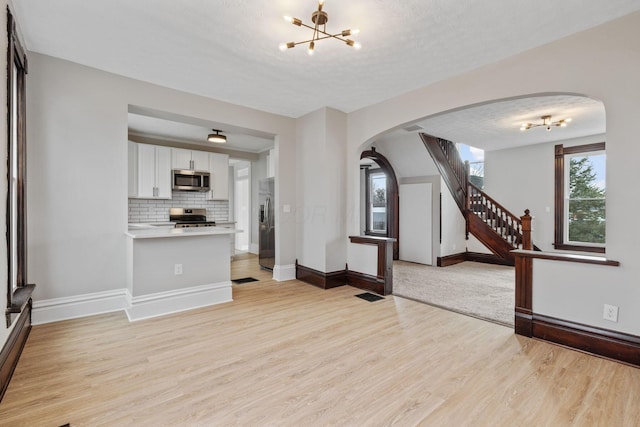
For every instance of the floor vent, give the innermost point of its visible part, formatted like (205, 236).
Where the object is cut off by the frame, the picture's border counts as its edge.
(244, 280)
(368, 296)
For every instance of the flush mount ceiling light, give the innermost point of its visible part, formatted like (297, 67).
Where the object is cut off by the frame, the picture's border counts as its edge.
(319, 19)
(216, 137)
(546, 122)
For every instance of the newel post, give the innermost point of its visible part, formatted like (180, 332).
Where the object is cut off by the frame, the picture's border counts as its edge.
(526, 230)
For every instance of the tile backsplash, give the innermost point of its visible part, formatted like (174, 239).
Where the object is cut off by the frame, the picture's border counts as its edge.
(154, 210)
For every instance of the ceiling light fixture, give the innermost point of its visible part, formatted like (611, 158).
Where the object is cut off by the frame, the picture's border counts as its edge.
(546, 122)
(216, 137)
(319, 19)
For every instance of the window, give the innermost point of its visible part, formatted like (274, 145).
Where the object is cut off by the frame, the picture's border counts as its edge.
(475, 157)
(580, 197)
(16, 172)
(377, 212)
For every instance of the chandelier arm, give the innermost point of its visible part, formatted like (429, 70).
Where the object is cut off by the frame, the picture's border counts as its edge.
(311, 40)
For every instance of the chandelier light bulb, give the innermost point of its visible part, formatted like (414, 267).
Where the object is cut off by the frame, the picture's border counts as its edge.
(312, 46)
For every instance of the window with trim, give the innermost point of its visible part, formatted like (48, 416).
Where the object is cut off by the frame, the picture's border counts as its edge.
(377, 210)
(18, 292)
(580, 198)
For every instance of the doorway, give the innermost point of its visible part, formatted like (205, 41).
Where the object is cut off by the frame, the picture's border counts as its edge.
(242, 204)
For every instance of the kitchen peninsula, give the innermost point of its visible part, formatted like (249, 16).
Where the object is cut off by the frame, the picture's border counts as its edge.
(176, 269)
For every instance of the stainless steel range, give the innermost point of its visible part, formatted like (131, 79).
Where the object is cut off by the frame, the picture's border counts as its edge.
(190, 217)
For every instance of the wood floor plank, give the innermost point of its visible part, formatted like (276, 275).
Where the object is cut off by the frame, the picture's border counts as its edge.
(288, 353)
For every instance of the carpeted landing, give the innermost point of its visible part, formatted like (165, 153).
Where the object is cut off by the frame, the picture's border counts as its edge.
(481, 290)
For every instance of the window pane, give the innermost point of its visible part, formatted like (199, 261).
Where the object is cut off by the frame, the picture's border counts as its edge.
(587, 221)
(586, 216)
(378, 202)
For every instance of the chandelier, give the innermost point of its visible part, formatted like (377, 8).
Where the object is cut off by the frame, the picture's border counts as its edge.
(319, 19)
(546, 122)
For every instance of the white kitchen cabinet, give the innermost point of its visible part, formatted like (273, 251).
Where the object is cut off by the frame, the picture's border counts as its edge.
(153, 172)
(189, 159)
(219, 169)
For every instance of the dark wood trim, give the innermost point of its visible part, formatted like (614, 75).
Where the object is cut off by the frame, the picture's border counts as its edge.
(594, 249)
(523, 296)
(586, 148)
(597, 341)
(446, 261)
(487, 258)
(559, 170)
(393, 197)
(16, 166)
(319, 278)
(385, 258)
(366, 282)
(340, 278)
(586, 259)
(12, 349)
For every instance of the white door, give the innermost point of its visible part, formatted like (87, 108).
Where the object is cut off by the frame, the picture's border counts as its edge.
(416, 223)
(242, 195)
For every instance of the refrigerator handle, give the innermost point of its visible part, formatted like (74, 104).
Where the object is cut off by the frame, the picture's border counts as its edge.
(267, 211)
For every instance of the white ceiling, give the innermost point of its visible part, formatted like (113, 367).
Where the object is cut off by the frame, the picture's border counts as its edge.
(177, 131)
(496, 125)
(228, 49)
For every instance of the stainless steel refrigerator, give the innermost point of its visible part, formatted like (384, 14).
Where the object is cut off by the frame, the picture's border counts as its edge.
(267, 237)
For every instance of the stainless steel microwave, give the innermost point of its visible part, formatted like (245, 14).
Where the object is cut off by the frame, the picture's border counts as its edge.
(188, 180)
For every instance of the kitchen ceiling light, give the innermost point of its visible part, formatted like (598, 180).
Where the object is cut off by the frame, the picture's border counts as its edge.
(216, 137)
(319, 19)
(546, 122)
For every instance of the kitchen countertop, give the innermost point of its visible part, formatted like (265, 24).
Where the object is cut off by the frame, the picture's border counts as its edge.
(154, 232)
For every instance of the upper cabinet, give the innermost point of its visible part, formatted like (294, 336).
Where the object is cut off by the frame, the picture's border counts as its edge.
(189, 159)
(219, 169)
(149, 171)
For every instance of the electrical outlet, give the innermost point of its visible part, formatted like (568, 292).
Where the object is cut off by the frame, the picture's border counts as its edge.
(177, 269)
(610, 313)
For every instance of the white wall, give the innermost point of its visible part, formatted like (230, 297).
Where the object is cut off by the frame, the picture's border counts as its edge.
(601, 63)
(77, 159)
(523, 178)
(453, 240)
(321, 192)
(311, 195)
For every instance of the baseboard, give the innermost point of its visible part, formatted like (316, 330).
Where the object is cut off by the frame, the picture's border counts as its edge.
(56, 309)
(448, 260)
(319, 278)
(282, 273)
(254, 248)
(597, 341)
(487, 258)
(163, 303)
(12, 349)
(365, 281)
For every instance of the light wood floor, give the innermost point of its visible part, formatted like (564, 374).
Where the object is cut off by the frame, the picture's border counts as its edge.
(291, 354)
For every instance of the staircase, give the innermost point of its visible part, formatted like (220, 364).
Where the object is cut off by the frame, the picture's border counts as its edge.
(487, 220)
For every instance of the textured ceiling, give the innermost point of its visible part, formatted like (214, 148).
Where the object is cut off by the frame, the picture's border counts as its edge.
(496, 125)
(228, 49)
